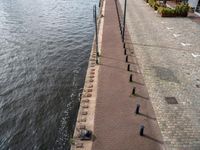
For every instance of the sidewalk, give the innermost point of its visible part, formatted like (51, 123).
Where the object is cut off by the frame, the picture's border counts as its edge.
(116, 126)
(168, 52)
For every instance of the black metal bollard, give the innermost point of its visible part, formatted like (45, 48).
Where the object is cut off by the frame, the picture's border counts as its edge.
(141, 130)
(137, 110)
(124, 45)
(124, 51)
(126, 58)
(133, 91)
(97, 61)
(131, 78)
(128, 68)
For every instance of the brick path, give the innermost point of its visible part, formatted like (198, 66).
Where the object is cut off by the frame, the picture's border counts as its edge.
(168, 52)
(116, 125)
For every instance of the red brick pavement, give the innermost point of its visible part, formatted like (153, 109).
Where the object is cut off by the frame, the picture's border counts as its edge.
(116, 125)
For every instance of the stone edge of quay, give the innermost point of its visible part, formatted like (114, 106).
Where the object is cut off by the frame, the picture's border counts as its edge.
(86, 112)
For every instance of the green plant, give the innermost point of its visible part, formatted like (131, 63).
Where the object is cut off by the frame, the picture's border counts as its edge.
(166, 12)
(156, 6)
(152, 3)
(160, 9)
(182, 9)
(72, 141)
(191, 9)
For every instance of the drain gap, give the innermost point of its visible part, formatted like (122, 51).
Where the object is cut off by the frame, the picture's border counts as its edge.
(171, 100)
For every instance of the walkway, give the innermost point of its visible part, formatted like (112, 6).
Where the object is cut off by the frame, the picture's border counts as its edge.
(116, 124)
(168, 50)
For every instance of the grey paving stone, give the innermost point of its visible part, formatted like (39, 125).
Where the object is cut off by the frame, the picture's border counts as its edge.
(169, 69)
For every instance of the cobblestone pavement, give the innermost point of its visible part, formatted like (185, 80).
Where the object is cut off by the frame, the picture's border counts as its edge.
(168, 51)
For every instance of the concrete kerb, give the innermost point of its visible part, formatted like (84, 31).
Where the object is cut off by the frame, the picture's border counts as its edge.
(86, 113)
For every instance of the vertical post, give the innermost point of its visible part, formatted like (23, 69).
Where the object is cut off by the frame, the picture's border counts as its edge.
(126, 58)
(96, 30)
(99, 3)
(119, 19)
(93, 15)
(128, 68)
(131, 78)
(141, 130)
(133, 91)
(124, 21)
(124, 51)
(137, 110)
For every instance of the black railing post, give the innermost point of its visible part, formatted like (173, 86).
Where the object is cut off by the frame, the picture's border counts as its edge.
(118, 15)
(99, 3)
(124, 21)
(96, 30)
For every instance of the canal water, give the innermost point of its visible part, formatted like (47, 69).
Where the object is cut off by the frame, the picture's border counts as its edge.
(44, 51)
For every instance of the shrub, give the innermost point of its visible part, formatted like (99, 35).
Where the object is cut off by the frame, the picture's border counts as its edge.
(152, 3)
(156, 6)
(166, 12)
(182, 9)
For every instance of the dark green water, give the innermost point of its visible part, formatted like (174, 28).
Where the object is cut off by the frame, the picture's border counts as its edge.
(44, 50)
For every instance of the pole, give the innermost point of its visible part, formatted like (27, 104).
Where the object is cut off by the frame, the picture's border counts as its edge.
(119, 19)
(96, 30)
(99, 3)
(124, 21)
(93, 14)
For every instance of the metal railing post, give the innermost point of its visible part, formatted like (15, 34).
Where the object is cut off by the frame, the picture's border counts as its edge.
(96, 30)
(93, 14)
(124, 21)
(99, 3)
(120, 26)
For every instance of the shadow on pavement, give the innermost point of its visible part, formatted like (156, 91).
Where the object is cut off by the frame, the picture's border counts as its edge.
(153, 139)
(149, 117)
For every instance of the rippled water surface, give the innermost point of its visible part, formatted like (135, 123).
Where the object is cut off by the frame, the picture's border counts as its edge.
(44, 48)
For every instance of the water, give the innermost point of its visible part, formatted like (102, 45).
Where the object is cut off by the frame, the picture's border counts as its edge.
(44, 50)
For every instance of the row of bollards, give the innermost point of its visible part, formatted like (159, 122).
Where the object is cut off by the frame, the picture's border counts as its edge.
(122, 31)
(137, 110)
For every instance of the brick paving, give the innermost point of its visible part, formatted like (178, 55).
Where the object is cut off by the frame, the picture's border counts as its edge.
(116, 126)
(168, 52)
